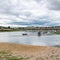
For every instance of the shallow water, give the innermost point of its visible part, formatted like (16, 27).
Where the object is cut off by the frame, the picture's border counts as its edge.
(31, 39)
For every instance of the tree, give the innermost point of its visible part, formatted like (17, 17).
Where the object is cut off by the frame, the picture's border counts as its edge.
(9, 27)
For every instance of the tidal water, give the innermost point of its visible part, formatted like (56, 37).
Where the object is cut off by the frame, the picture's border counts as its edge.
(31, 38)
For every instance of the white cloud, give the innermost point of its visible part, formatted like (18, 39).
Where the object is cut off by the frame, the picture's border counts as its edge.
(28, 11)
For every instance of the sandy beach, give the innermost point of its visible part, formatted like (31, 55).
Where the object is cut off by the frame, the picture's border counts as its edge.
(33, 52)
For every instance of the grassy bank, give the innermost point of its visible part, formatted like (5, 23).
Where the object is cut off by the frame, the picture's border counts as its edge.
(57, 32)
(7, 55)
(11, 30)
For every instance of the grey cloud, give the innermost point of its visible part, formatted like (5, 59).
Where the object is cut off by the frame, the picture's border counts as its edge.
(38, 0)
(38, 21)
(4, 6)
(53, 24)
(54, 4)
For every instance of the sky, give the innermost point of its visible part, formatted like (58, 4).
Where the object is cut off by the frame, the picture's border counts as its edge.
(29, 13)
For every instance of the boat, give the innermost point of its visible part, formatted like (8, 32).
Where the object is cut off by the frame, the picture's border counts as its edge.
(24, 34)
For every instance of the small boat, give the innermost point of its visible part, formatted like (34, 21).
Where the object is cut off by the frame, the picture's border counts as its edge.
(24, 34)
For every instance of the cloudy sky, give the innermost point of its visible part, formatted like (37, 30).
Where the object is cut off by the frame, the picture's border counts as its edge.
(30, 12)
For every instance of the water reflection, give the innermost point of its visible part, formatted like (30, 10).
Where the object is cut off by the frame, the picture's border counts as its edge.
(32, 38)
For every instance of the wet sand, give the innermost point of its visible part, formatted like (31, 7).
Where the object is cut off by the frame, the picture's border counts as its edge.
(33, 52)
